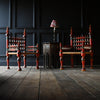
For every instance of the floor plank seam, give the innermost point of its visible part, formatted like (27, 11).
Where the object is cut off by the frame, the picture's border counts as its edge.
(61, 87)
(76, 81)
(1, 83)
(39, 86)
(50, 84)
(19, 84)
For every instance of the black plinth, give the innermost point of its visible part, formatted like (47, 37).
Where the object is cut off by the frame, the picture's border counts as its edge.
(51, 55)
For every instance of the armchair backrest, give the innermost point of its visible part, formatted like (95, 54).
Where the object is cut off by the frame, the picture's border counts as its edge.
(13, 42)
(77, 42)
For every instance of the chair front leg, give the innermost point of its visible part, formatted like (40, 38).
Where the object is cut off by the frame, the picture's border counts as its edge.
(19, 62)
(37, 62)
(19, 58)
(83, 58)
(61, 57)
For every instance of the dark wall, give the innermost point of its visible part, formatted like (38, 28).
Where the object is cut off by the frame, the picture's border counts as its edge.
(36, 16)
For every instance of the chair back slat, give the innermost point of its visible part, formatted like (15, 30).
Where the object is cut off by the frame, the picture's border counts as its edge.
(76, 41)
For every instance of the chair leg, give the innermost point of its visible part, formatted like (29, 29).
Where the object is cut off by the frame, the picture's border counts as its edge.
(61, 57)
(8, 62)
(19, 61)
(61, 60)
(37, 58)
(61, 64)
(83, 65)
(83, 61)
(37, 63)
(91, 60)
(24, 61)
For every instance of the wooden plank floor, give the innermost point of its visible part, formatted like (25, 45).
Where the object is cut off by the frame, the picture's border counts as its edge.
(49, 84)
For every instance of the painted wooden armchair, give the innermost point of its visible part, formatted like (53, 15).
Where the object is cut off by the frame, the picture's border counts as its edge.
(17, 46)
(79, 45)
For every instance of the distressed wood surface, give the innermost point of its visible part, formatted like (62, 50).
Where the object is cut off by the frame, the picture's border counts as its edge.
(49, 84)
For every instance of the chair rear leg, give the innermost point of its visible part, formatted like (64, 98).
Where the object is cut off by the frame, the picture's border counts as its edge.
(91, 60)
(37, 58)
(8, 62)
(37, 62)
(24, 61)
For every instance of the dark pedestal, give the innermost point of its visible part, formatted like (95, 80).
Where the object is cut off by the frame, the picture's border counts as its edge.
(51, 55)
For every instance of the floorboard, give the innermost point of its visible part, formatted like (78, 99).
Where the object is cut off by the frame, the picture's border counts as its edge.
(49, 84)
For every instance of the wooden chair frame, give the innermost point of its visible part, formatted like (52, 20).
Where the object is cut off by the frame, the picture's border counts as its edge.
(81, 45)
(17, 46)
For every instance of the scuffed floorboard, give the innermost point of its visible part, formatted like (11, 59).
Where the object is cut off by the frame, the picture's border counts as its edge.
(49, 84)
